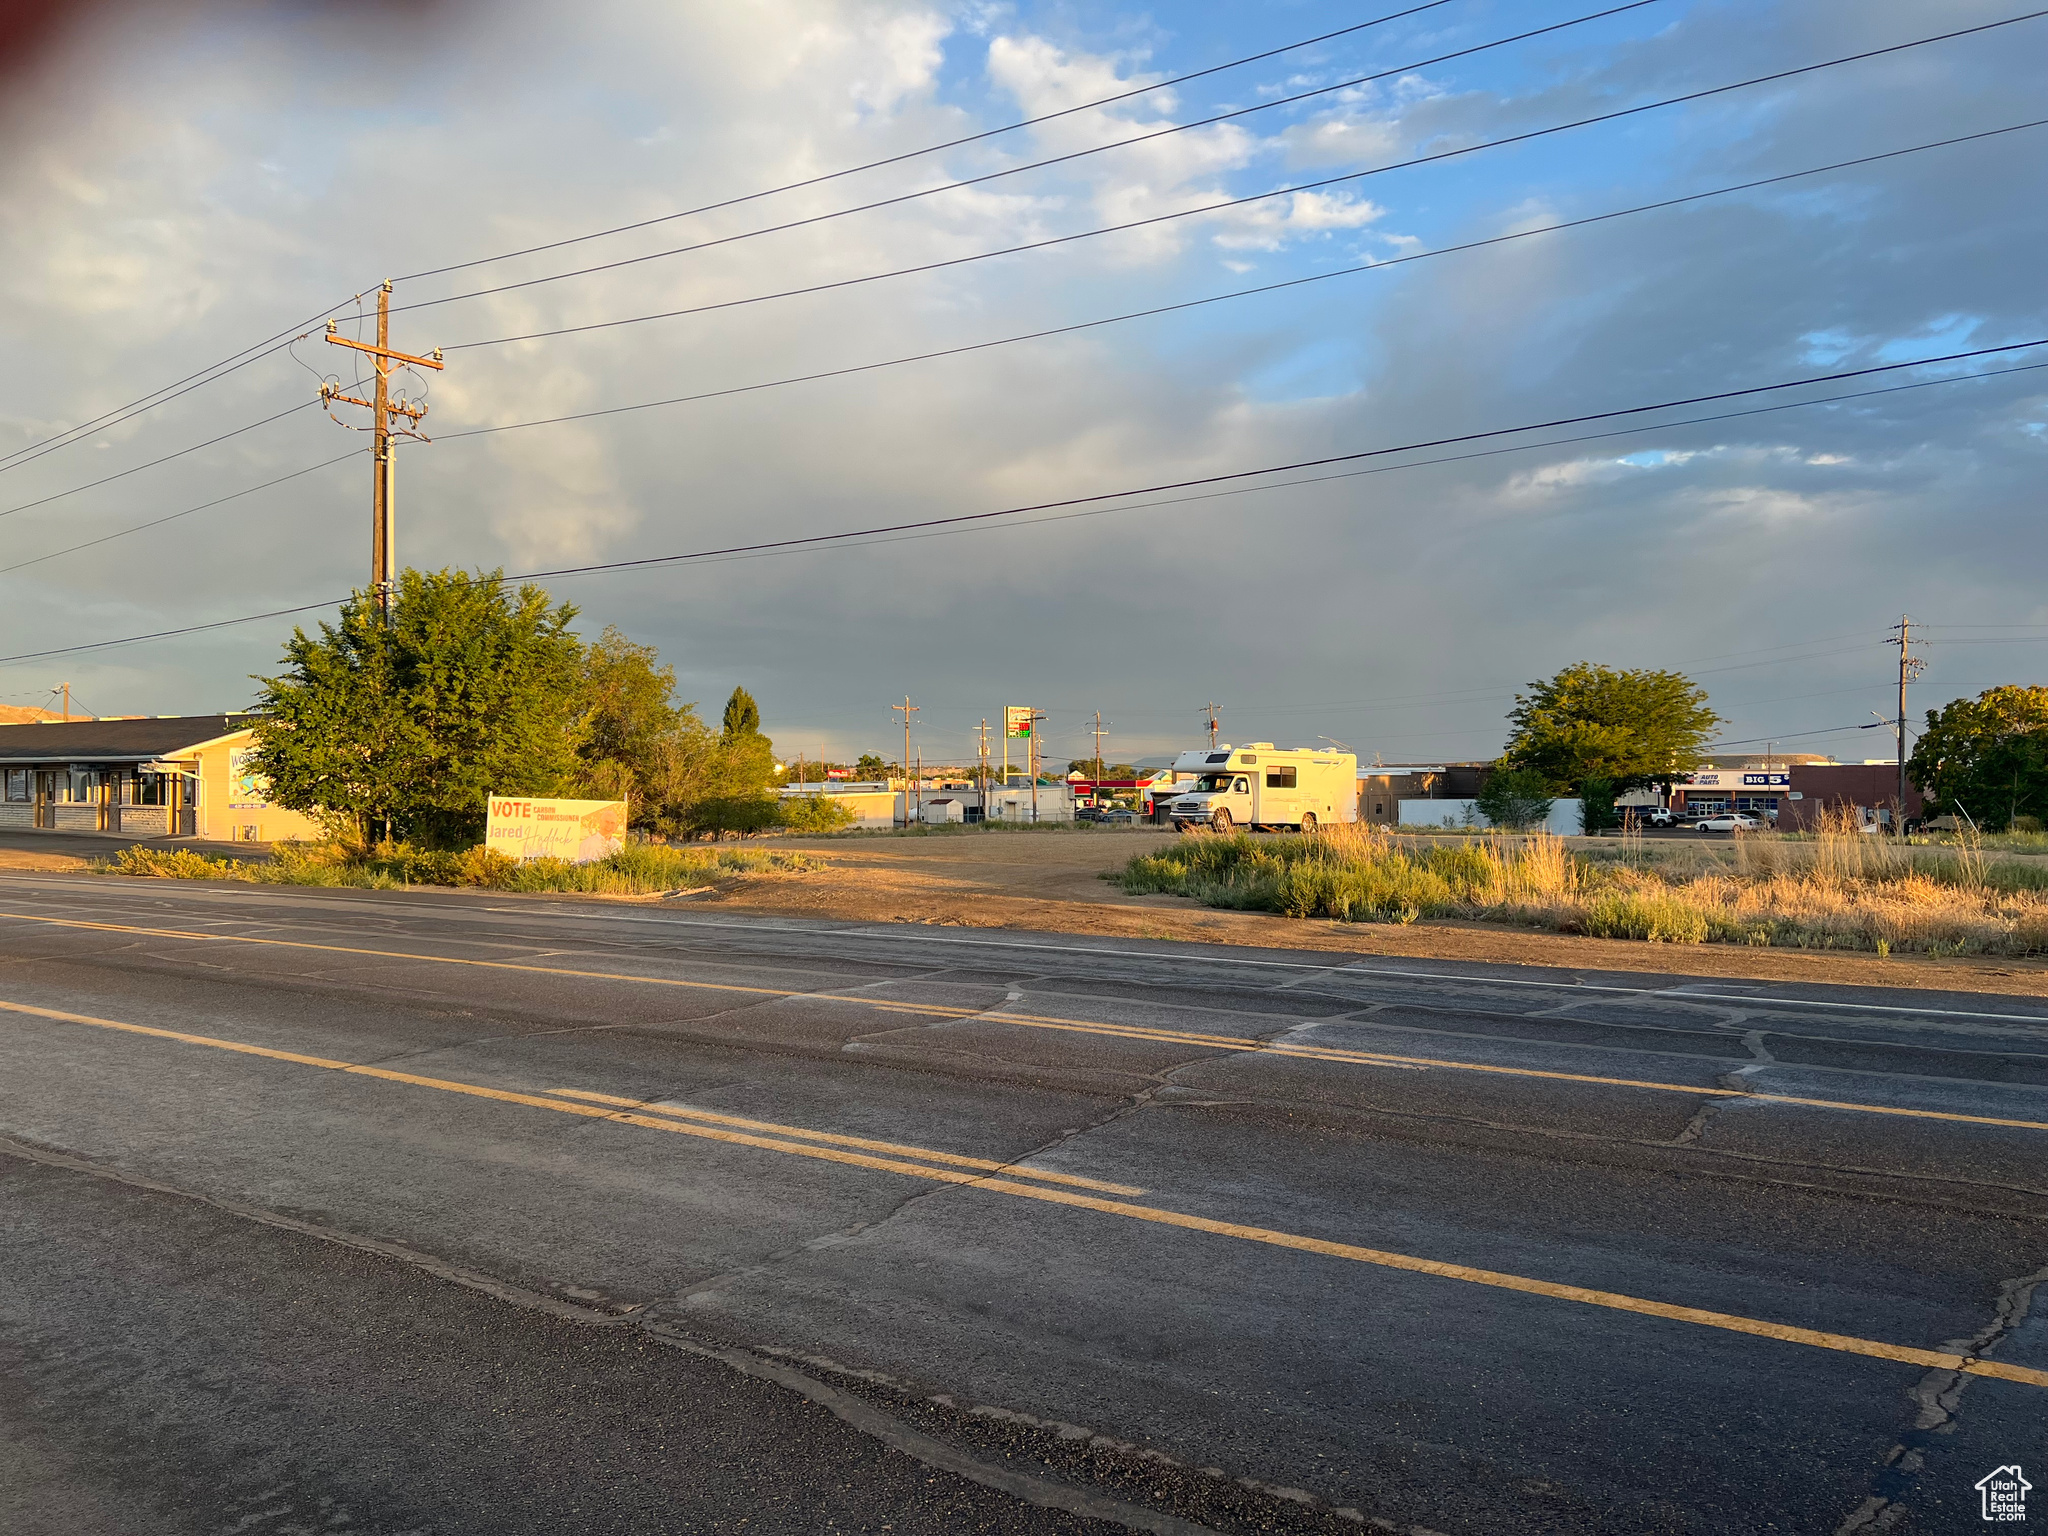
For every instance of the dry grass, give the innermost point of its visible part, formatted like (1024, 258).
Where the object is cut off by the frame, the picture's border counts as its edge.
(638, 869)
(1837, 889)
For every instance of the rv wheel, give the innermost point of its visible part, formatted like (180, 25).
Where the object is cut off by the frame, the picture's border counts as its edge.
(1220, 822)
(1308, 823)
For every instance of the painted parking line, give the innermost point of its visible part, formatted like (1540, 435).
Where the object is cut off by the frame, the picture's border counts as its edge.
(991, 1183)
(1231, 1043)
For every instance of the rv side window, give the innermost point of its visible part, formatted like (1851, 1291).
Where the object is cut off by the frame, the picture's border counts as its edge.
(1280, 778)
(1241, 788)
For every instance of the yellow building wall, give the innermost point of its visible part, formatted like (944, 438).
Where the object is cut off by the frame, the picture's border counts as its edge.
(223, 820)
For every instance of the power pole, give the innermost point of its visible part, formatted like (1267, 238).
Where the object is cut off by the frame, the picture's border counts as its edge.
(67, 699)
(1097, 729)
(984, 768)
(1036, 716)
(907, 709)
(1910, 667)
(1215, 724)
(382, 406)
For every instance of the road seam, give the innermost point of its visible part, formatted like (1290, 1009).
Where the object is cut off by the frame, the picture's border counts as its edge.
(1141, 1032)
(1380, 1258)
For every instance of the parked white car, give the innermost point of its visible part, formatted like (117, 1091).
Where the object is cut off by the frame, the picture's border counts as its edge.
(1730, 821)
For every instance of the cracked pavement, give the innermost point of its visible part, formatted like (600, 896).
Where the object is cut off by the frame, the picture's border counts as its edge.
(423, 1211)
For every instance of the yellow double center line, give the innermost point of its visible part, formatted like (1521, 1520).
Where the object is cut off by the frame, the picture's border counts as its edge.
(1077, 1026)
(1006, 1179)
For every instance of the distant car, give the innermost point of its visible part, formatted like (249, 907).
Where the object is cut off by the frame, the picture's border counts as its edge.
(1650, 815)
(1729, 821)
(1117, 817)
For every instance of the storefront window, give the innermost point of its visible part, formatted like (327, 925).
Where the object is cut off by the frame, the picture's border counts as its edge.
(18, 784)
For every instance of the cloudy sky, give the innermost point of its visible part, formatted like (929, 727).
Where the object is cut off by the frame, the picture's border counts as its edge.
(180, 182)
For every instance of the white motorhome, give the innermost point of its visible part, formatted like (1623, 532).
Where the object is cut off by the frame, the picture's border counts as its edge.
(1260, 785)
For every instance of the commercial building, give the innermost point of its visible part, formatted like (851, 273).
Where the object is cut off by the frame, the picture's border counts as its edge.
(1383, 788)
(168, 776)
(1868, 791)
(872, 804)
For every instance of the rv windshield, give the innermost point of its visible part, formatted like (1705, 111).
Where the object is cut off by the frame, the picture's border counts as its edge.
(1210, 783)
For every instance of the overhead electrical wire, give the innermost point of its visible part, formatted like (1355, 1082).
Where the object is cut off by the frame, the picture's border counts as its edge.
(928, 526)
(44, 501)
(277, 342)
(1238, 293)
(204, 376)
(283, 338)
(1083, 325)
(172, 517)
(1238, 202)
(1018, 170)
(929, 149)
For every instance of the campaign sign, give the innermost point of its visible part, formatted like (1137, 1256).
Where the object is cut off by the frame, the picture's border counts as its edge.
(579, 831)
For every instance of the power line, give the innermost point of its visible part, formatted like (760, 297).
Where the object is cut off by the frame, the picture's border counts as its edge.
(970, 347)
(1035, 165)
(1238, 202)
(967, 519)
(929, 149)
(174, 516)
(1455, 458)
(153, 463)
(207, 375)
(1163, 309)
(277, 342)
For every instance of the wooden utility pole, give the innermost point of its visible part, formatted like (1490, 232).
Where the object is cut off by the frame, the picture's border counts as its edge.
(1098, 733)
(1910, 667)
(1036, 716)
(1215, 724)
(984, 768)
(382, 406)
(67, 699)
(906, 709)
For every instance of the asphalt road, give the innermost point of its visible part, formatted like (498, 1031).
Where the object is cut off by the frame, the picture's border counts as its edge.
(397, 1212)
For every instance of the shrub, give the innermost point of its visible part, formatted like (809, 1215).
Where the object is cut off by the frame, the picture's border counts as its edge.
(815, 813)
(1514, 798)
(175, 864)
(1634, 915)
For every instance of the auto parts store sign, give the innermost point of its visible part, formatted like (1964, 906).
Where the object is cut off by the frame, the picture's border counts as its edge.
(580, 831)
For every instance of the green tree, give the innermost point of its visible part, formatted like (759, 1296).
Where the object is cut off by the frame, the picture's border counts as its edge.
(630, 721)
(1515, 798)
(1630, 728)
(1596, 806)
(871, 768)
(738, 777)
(1987, 756)
(742, 715)
(468, 690)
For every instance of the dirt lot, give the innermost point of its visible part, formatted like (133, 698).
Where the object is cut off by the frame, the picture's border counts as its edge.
(1051, 881)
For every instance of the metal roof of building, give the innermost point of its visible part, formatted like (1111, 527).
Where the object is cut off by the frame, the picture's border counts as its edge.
(114, 741)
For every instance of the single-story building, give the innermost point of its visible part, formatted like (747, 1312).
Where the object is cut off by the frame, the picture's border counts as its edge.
(1853, 787)
(1384, 787)
(162, 776)
(873, 804)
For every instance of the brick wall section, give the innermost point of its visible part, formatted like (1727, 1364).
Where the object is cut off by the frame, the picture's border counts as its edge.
(17, 813)
(1821, 784)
